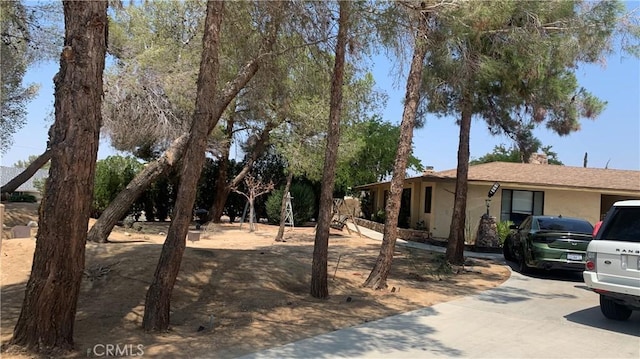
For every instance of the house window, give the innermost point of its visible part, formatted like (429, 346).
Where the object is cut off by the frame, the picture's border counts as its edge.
(428, 193)
(372, 207)
(517, 205)
(404, 217)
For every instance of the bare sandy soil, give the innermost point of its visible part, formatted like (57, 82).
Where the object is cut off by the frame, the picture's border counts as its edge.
(237, 292)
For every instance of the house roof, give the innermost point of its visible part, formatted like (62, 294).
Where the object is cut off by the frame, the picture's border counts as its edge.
(527, 174)
(8, 173)
(549, 175)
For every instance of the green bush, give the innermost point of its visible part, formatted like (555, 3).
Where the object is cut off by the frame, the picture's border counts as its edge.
(112, 176)
(503, 230)
(303, 204)
(379, 216)
(22, 197)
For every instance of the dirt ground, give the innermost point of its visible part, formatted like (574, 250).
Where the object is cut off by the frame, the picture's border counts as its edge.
(237, 292)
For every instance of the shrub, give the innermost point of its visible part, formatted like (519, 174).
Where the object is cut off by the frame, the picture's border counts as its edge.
(503, 230)
(380, 216)
(22, 197)
(303, 204)
(112, 176)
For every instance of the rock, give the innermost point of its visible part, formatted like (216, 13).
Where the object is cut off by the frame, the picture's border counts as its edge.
(21, 232)
(487, 235)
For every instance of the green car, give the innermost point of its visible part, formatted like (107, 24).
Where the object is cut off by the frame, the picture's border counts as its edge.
(548, 242)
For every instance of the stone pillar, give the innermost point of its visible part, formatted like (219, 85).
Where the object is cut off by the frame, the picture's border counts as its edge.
(487, 236)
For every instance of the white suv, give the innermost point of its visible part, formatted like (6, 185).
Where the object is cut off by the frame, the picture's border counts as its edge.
(613, 261)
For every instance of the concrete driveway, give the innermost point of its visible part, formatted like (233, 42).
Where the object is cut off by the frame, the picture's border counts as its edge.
(538, 316)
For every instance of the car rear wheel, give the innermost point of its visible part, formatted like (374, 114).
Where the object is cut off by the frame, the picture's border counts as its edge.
(522, 264)
(506, 251)
(613, 310)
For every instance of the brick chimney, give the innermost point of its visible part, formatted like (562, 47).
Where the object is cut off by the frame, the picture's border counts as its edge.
(539, 159)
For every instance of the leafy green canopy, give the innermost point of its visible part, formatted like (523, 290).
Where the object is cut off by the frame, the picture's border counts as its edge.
(502, 154)
(112, 175)
(14, 96)
(375, 156)
(29, 32)
(150, 88)
(303, 203)
(28, 161)
(301, 138)
(516, 59)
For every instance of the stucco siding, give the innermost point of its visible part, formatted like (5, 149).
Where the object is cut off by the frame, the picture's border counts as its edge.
(579, 204)
(442, 211)
(443, 199)
(418, 209)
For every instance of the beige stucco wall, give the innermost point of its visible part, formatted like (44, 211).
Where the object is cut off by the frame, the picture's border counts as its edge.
(418, 192)
(579, 204)
(442, 209)
(417, 203)
(476, 206)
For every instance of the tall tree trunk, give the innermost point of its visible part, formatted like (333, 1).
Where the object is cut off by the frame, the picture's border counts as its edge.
(319, 286)
(252, 214)
(455, 244)
(283, 207)
(125, 199)
(122, 203)
(222, 192)
(378, 277)
(48, 311)
(158, 299)
(221, 188)
(28, 172)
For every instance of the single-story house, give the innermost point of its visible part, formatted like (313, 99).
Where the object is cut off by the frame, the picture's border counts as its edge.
(29, 187)
(525, 189)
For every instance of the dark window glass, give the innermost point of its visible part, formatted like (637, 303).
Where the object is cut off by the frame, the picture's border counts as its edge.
(565, 225)
(405, 209)
(526, 224)
(428, 193)
(624, 225)
(518, 205)
(505, 210)
(538, 203)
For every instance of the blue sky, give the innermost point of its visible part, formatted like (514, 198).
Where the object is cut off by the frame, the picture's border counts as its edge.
(613, 138)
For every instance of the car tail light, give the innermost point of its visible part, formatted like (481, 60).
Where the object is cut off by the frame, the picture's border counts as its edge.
(590, 263)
